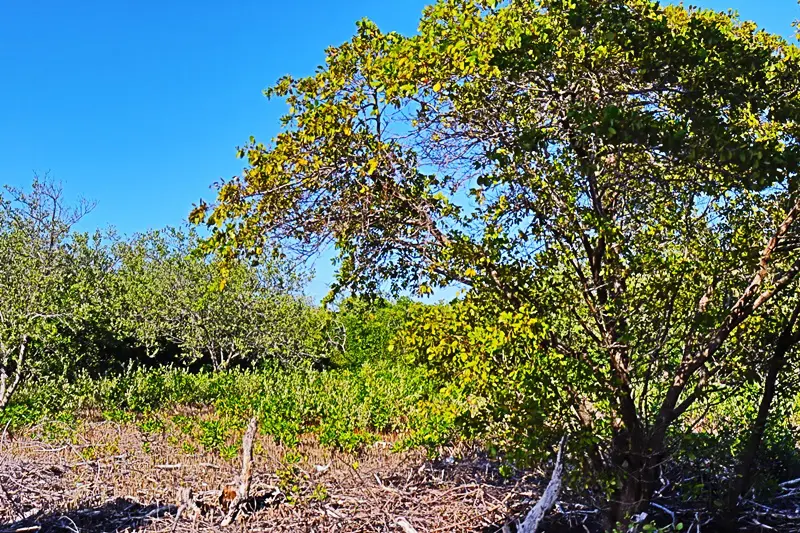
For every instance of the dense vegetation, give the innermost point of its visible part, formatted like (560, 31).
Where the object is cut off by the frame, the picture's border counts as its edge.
(75, 302)
(613, 184)
(131, 329)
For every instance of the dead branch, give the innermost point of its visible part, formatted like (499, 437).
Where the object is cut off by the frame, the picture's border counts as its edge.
(548, 499)
(247, 472)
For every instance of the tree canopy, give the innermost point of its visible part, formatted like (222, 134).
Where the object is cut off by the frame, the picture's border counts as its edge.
(76, 305)
(45, 288)
(613, 182)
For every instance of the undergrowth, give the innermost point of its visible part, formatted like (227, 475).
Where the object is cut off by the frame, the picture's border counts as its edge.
(345, 408)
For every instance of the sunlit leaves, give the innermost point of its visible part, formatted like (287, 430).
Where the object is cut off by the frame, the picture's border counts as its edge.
(600, 167)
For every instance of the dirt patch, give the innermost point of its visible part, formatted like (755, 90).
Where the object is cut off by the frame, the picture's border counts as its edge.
(114, 477)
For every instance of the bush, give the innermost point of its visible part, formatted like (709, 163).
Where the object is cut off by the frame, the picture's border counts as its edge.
(346, 408)
(363, 330)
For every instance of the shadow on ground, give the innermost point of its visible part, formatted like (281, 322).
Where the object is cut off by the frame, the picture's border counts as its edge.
(117, 515)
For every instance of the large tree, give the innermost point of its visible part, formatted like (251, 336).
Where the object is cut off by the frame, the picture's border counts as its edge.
(613, 178)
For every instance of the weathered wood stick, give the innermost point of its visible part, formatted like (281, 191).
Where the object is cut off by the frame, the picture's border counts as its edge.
(550, 496)
(247, 472)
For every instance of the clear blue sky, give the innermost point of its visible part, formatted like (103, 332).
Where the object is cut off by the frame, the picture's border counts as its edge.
(139, 104)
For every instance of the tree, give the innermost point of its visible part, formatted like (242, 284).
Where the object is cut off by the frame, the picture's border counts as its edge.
(614, 182)
(41, 285)
(777, 333)
(165, 295)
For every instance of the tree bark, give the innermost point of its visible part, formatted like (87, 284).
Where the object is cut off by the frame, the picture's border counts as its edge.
(246, 476)
(636, 460)
(7, 389)
(744, 469)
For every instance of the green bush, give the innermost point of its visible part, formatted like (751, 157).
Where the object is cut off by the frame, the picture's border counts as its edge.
(347, 408)
(362, 330)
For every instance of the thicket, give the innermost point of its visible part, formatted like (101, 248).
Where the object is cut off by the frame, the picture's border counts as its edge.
(131, 329)
(77, 305)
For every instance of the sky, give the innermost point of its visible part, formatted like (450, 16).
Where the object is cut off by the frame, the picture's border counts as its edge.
(139, 105)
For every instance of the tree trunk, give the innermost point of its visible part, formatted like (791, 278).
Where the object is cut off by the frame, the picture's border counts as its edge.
(242, 492)
(7, 387)
(636, 461)
(744, 469)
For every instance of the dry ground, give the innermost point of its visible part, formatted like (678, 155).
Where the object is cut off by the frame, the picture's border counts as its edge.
(113, 477)
(108, 476)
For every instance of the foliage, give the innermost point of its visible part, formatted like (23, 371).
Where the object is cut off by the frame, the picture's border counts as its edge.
(510, 388)
(241, 314)
(74, 302)
(47, 279)
(614, 182)
(363, 330)
(345, 408)
(95, 301)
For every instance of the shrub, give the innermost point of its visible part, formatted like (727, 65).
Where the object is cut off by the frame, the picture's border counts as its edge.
(347, 408)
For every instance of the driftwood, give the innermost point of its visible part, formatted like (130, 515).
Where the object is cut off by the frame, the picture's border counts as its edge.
(246, 476)
(550, 496)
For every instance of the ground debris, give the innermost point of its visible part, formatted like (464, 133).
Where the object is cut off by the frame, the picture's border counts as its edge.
(106, 479)
(55, 488)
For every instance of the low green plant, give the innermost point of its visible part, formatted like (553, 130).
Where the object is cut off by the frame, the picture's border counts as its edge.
(58, 431)
(320, 493)
(151, 425)
(346, 408)
(19, 415)
(188, 448)
(212, 434)
(291, 477)
(119, 415)
(229, 452)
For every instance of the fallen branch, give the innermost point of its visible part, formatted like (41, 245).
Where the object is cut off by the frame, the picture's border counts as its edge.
(176, 466)
(405, 525)
(787, 484)
(247, 473)
(550, 496)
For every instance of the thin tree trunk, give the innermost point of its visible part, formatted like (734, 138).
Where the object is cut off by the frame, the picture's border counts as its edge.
(7, 389)
(744, 469)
